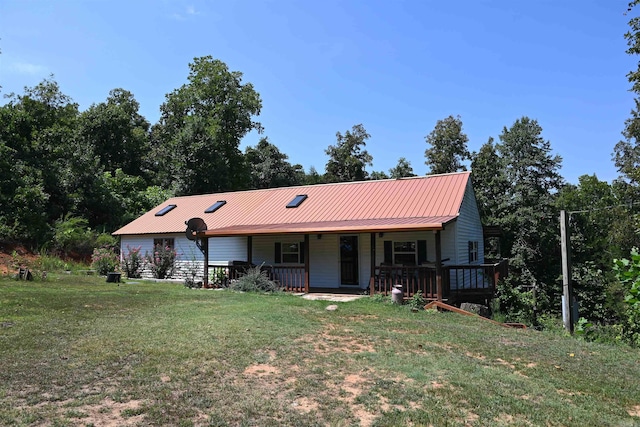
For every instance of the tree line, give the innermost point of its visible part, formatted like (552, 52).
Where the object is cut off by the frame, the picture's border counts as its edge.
(64, 170)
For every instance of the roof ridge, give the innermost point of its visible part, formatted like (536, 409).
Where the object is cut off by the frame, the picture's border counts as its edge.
(326, 184)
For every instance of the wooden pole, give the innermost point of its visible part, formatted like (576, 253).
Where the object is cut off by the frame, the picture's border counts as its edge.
(249, 249)
(372, 278)
(307, 255)
(567, 286)
(439, 266)
(205, 248)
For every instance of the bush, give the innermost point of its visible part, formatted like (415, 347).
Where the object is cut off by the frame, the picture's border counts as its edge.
(104, 260)
(132, 263)
(628, 273)
(163, 261)
(512, 304)
(254, 280)
(72, 235)
(417, 301)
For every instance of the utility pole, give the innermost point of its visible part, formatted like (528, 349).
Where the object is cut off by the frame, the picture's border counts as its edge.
(567, 286)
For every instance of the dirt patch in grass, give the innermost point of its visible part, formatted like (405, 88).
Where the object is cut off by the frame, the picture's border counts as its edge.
(327, 343)
(261, 370)
(634, 411)
(107, 413)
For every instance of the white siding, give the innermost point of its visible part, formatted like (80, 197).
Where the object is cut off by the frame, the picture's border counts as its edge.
(188, 257)
(468, 228)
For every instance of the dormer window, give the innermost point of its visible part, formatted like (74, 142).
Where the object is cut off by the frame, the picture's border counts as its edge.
(166, 209)
(297, 201)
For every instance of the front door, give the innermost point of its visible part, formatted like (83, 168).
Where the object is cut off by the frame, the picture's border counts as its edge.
(349, 260)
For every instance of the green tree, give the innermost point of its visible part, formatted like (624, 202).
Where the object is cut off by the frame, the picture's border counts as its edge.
(448, 147)
(376, 175)
(489, 182)
(530, 221)
(313, 177)
(117, 133)
(37, 132)
(347, 160)
(402, 170)
(196, 142)
(269, 167)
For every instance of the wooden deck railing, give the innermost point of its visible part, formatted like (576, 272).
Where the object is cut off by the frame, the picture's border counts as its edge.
(412, 279)
(289, 278)
(456, 279)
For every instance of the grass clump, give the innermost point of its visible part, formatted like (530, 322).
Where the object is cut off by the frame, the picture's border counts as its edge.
(255, 280)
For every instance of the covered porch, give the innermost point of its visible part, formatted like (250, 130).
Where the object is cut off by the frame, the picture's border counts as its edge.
(433, 279)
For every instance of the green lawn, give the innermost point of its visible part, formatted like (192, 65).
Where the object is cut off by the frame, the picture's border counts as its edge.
(78, 351)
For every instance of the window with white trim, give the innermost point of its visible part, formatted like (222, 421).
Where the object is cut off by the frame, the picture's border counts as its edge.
(473, 251)
(404, 253)
(170, 243)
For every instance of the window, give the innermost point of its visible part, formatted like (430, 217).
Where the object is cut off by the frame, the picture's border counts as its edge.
(473, 251)
(404, 253)
(217, 205)
(166, 209)
(297, 201)
(164, 243)
(289, 252)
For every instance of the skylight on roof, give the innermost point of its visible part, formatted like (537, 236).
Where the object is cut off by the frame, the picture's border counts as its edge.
(165, 210)
(214, 207)
(297, 201)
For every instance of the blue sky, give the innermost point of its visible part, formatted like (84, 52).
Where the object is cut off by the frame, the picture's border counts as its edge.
(321, 67)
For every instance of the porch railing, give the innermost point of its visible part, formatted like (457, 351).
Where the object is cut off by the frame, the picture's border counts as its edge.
(456, 279)
(289, 278)
(413, 279)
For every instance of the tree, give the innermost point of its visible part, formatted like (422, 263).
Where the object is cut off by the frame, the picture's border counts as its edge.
(377, 175)
(489, 182)
(313, 177)
(197, 138)
(402, 170)
(117, 132)
(269, 167)
(530, 219)
(37, 132)
(347, 160)
(448, 147)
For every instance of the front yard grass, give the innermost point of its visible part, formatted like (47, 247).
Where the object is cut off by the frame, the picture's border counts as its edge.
(75, 350)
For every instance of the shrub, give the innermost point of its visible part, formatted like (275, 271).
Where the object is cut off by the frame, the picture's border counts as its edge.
(104, 260)
(417, 301)
(163, 261)
(628, 273)
(72, 235)
(512, 304)
(254, 280)
(106, 240)
(132, 262)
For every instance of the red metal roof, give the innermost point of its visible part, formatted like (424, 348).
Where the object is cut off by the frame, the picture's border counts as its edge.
(426, 202)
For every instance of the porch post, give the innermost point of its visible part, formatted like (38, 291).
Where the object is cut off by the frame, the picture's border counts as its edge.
(438, 266)
(205, 247)
(373, 264)
(249, 249)
(306, 263)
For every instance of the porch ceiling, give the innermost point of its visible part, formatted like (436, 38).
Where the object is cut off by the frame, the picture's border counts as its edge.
(354, 226)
